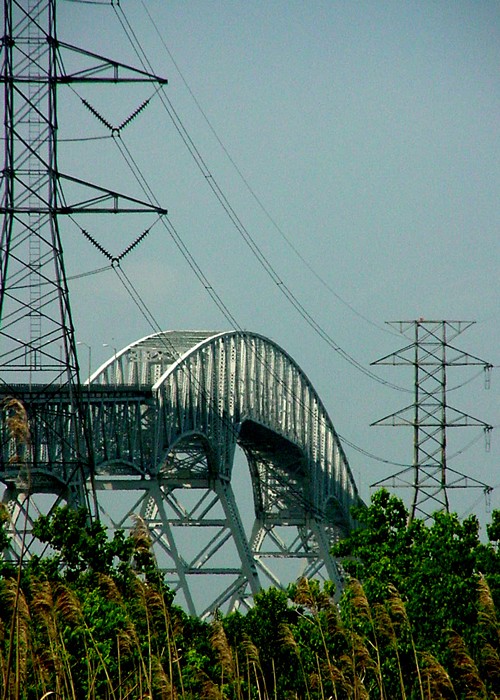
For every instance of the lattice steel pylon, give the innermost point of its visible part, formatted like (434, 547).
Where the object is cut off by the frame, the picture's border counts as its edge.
(430, 416)
(39, 373)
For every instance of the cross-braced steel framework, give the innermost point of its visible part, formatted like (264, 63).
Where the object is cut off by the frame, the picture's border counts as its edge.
(167, 415)
(210, 393)
(39, 373)
(430, 415)
(37, 348)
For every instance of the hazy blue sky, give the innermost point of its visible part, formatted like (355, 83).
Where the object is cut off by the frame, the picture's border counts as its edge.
(368, 132)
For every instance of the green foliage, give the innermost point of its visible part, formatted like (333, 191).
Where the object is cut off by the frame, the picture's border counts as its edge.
(380, 551)
(418, 620)
(81, 546)
(4, 519)
(6, 568)
(435, 570)
(493, 529)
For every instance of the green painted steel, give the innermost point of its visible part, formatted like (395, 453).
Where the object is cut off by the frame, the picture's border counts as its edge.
(167, 414)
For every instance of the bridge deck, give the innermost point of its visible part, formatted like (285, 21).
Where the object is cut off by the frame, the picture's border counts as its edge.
(43, 393)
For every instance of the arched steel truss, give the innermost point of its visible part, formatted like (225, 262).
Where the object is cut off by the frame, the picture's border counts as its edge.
(168, 413)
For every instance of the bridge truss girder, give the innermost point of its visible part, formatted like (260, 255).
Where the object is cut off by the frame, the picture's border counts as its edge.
(201, 545)
(167, 414)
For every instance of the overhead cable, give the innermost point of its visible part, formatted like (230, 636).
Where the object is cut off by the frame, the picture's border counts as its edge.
(252, 192)
(202, 278)
(240, 227)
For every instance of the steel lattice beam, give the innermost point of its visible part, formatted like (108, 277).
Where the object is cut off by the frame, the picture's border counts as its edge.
(167, 414)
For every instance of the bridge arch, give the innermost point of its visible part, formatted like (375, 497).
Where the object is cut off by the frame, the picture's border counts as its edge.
(213, 392)
(242, 388)
(232, 388)
(168, 414)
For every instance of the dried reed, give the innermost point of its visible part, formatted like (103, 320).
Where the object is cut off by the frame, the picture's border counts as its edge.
(436, 679)
(465, 669)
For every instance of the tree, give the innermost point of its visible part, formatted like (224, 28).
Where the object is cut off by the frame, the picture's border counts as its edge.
(436, 570)
(81, 546)
(493, 529)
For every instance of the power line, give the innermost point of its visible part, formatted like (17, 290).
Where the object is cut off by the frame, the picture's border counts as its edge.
(238, 224)
(134, 168)
(143, 183)
(252, 192)
(154, 324)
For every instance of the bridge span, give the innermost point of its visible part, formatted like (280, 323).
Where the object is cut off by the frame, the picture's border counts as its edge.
(168, 415)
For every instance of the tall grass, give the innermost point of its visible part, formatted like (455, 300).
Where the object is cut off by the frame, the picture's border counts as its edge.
(144, 660)
(110, 636)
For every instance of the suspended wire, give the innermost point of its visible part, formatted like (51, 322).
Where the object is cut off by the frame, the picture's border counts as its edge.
(484, 495)
(181, 246)
(149, 317)
(149, 193)
(243, 231)
(75, 139)
(97, 271)
(136, 298)
(269, 269)
(252, 192)
(93, 2)
(155, 325)
(89, 273)
(151, 320)
(467, 446)
(479, 373)
(84, 138)
(147, 190)
(239, 226)
(463, 449)
(371, 455)
(133, 166)
(147, 314)
(282, 480)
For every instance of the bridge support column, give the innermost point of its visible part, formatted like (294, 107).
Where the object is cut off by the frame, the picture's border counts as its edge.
(24, 508)
(197, 534)
(250, 577)
(20, 526)
(324, 557)
(154, 514)
(278, 547)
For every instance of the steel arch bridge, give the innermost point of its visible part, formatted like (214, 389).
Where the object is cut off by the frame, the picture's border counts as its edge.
(168, 413)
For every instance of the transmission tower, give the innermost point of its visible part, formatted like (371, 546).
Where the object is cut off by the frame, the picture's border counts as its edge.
(430, 416)
(45, 431)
